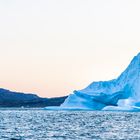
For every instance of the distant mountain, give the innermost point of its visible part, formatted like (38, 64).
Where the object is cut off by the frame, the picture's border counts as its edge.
(17, 99)
(122, 93)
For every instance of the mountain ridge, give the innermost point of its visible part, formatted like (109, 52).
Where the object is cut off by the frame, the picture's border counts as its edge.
(18, 99)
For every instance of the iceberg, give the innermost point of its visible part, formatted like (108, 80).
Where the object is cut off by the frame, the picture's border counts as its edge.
(122, 93)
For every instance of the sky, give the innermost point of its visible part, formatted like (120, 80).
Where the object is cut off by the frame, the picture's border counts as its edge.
(52, 47)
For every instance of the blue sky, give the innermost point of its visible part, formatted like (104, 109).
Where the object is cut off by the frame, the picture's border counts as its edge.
(52, 47)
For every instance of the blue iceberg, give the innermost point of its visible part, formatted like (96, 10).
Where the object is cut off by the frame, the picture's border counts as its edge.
(122, 93)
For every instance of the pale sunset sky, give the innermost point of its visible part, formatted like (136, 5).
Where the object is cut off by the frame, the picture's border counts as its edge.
(52, 47)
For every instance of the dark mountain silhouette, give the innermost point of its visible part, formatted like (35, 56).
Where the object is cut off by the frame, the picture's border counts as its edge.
(17, 99)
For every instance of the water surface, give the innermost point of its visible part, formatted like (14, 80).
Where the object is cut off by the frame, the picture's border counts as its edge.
(68, 125)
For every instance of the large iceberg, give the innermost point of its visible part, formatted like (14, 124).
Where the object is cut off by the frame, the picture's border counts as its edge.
(122, 93)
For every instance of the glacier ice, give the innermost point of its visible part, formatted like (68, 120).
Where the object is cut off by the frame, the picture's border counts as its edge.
(122, 93)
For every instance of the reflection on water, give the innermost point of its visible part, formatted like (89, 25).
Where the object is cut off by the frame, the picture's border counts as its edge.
(68, 125)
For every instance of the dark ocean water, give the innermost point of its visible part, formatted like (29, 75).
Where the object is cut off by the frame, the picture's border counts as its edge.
(68, 125)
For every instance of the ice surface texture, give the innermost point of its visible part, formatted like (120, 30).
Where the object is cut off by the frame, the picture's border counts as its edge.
(122, 93)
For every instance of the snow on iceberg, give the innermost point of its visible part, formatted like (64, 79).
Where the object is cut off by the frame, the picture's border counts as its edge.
(122, 93)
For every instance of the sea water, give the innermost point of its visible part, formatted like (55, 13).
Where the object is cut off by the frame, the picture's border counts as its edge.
(34, 124)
